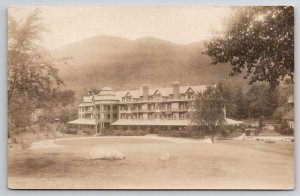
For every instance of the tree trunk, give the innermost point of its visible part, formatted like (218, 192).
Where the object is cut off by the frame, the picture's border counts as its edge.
(211, 129)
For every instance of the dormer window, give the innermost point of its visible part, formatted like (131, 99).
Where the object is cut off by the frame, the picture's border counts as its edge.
(190, 95)
(128, 99)
(157, 96)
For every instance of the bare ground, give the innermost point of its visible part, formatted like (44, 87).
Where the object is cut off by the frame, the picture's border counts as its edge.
(222, 165)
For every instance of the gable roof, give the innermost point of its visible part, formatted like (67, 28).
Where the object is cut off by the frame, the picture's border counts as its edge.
(87, 99)
(165, 92)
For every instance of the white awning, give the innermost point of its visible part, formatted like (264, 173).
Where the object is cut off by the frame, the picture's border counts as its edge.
(152, 122)
(83, 121)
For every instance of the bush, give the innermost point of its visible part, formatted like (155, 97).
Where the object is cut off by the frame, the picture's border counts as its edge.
(71, 131)
(130, 132)
(248, 132)
(187, 132)
(287, 131)
(284, 128)
(89, 131)
(257, 132)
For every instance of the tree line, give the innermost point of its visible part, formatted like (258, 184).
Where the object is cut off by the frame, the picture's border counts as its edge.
(258, 101)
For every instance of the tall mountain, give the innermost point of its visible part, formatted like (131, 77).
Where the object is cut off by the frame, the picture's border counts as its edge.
(127, 64)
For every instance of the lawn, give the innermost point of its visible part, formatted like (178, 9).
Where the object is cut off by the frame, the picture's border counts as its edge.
(222, 165)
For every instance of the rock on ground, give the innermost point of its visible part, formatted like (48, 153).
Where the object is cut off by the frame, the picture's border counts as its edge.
(106, 154)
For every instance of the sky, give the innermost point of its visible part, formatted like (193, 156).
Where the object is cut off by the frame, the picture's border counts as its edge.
(179, 25)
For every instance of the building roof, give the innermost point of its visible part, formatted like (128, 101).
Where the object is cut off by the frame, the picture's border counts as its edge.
(87, 99)
(83, 121)
(106, 89)
(85, 104)
(135, 93)
(167, 91)
(120, 94)
(199, 88)
(107, 94)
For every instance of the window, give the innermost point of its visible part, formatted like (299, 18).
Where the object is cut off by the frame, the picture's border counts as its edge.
(174, 117)
(157, 96)
(106, 107)
(150, 116)
(190, 95)
(141, 116)
(169, 106)
(182, 106)
(182, 116)
(150, 106)
(158, 106)
(128, 99)
(139, 107)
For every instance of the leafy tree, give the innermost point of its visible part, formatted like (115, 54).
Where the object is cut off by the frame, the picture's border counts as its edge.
(286, 90)
(261, 101)
(95, 91)
(241, 103)
(31, 74)
(63, 97)
(260, 40)
(209, 109)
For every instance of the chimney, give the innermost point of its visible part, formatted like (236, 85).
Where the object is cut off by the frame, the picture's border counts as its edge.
(145, 93)
(176, 90)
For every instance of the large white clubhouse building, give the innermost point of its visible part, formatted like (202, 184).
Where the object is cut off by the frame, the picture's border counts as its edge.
(144, 107)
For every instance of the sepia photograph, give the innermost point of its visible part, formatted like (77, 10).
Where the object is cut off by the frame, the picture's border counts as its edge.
(151, 97)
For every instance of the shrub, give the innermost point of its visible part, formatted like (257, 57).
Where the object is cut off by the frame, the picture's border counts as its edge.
(287, 131)
(129, 133)
(89, 131)
(248, 132)
(71, 131)
(188, 132)
(284, 128)
(257, 132)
